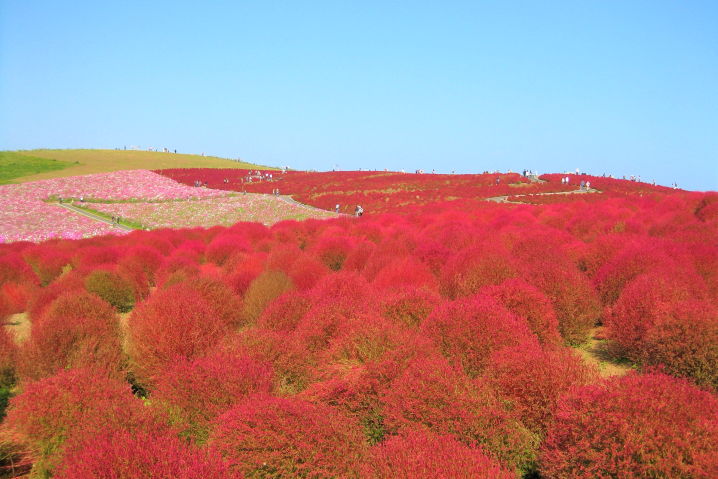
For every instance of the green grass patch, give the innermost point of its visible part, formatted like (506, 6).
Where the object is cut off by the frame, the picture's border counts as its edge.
(15, 165)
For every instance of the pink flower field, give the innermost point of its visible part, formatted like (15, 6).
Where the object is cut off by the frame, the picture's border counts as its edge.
(26, 216)
(212, 211)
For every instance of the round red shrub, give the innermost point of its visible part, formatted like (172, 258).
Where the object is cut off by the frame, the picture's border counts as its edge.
(528, 302)
(332, 249)
(14, 269)
(533, 380)
(634, 426)
(47, 262)
(431, 395)
(420, 455)
(112, 287)
(17, 296)
(78, 330)
(223, 246)
(685, 343)
(573, 297)
(403, 272)
(262, 291)
(644, 302)
(284, 313)
(285, 352)
(43, 297)
(468, 330)
(306, 271)
(173, 324)
(195, 392)
(409, 306)
(123, 454)
(72, 406)
(224, 302)
(471, 269)
(266, 436)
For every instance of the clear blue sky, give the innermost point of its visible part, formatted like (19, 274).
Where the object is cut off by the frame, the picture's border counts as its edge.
(622, 87)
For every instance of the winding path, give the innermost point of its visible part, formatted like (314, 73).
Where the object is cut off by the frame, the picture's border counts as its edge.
(505, 198)
(75, 209)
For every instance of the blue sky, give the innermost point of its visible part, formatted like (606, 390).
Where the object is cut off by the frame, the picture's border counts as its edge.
(621, 87)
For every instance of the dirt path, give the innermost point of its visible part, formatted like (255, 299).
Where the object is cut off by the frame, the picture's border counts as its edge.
(505, 198)
(19, 326)
(75, 209)
(597, 351)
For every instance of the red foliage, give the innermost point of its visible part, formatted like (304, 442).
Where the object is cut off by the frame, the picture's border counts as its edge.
(16, 296)
(409, 306)
(306, 271)
(47, 262)
(14, 269)
(287, 355)
(223, 246)
(72, 406)
(533, 380)
(430, 395)
(287, 437)
(467, 272)
(198, 391)
(573, 297)
(173, 324)
(528, 302)
(419, 455)
(285, 312)
(467, 331)
(405, 271)
(78, 330)
(122, 454)
(112, 287)
(657, 321)
(634, 426)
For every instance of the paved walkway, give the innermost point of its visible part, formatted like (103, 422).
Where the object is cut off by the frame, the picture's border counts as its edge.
(75, 209)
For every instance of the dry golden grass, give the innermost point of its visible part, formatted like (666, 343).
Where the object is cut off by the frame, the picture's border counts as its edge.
(85, 162)
(598, 351)
(19, 326)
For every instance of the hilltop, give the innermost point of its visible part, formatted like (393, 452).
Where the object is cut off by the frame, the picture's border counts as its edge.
(32, 165)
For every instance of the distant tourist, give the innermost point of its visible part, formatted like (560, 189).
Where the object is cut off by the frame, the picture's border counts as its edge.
(336, 208)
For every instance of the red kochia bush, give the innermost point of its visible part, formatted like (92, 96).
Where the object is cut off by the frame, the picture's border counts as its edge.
(409, 306)
(46, 261)
(431, 395)
(284, 313)
(198, 391)
(112, 287)
(467, 331)
(265, 436)
(127, 455)
(420, 455)
(72, 406)
(634, 426)
(14, 268)
(173, 324)
(405, 272)
(16, 296)
(306, 271)
(528, 302)
(573, 297)
(533, 379)
(78, 330)
(223, 246)
(471, 269)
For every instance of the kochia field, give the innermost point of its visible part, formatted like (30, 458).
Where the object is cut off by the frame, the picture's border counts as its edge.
(438, 335)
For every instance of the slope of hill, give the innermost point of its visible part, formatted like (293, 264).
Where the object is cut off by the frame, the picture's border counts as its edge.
(85, 162)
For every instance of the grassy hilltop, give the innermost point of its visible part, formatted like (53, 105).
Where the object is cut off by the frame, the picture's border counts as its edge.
(32, 165)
